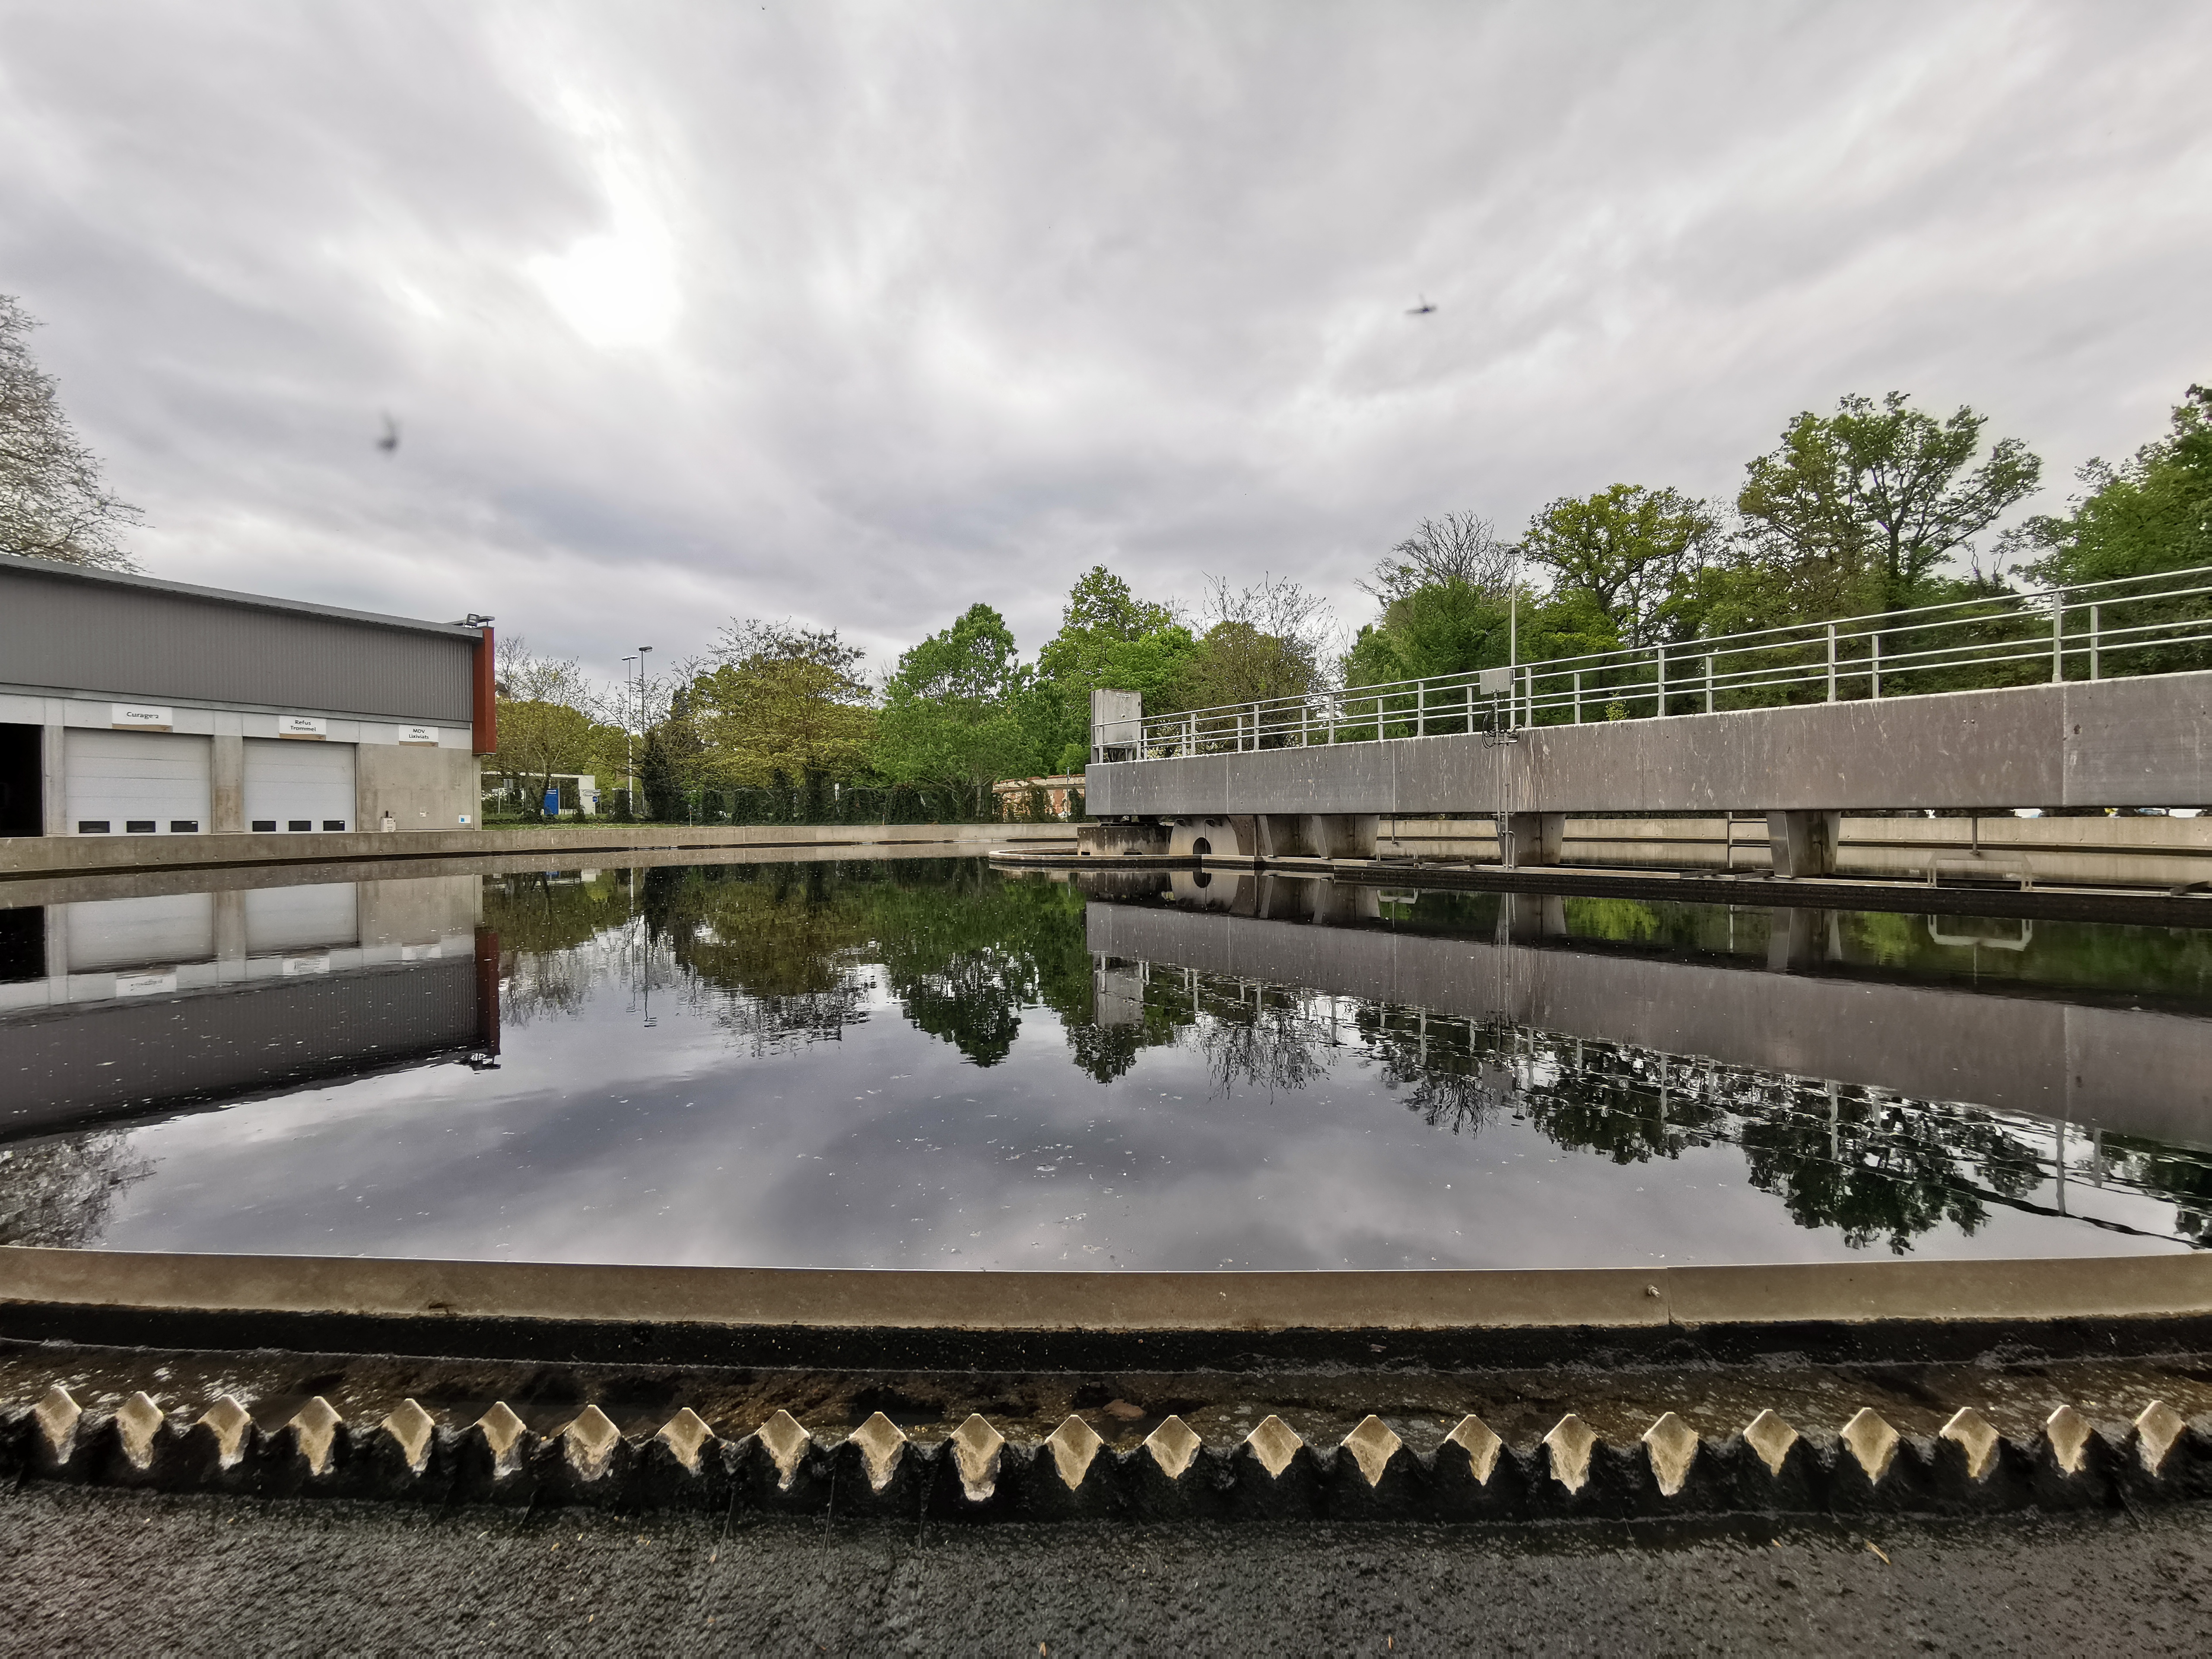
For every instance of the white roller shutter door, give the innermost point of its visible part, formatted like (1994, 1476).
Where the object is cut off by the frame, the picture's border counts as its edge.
(293, 785)
(139, 932)
(281, 919)
(140, 783)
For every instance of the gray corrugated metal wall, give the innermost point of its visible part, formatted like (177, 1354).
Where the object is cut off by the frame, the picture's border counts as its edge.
(74, 634)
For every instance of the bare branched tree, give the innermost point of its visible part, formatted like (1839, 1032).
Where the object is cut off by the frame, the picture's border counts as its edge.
(53, 502)
(1460, 549)
(1273, 639)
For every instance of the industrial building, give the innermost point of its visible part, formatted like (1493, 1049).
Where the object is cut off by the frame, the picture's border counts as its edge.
(132, 707)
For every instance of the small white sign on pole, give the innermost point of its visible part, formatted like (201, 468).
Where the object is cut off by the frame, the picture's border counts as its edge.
(140, 717)
(145, 985)
(426, 735)
(311, 726)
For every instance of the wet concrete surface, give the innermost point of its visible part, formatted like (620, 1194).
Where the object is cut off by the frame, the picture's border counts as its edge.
(1321, 1403)
(104, 1573)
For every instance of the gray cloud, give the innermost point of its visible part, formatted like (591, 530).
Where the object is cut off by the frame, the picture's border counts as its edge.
(859, 314)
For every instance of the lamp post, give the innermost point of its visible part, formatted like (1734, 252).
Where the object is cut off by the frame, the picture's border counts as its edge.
(643, 652)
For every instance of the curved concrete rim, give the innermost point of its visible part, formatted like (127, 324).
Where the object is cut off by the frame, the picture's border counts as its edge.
(2135, 1287)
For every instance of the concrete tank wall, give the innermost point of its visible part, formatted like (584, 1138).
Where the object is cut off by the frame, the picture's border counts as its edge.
(2143, 742)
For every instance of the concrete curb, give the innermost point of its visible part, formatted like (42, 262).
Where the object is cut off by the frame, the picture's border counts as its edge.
(2150, 1287)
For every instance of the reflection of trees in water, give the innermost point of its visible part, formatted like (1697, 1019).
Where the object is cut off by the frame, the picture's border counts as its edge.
(2180, 1173)
(60, 1193)
(1270, 1042)
(1875, 1168)
(780, 954)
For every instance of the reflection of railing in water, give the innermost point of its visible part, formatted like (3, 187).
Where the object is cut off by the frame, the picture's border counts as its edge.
(1877, 1165)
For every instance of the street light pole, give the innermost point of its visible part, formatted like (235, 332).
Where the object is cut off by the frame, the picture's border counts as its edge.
(629, 748)
(643, 652)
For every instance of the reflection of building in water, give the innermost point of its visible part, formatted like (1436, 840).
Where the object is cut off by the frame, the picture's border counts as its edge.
(2127, 1070)
(140, 1005)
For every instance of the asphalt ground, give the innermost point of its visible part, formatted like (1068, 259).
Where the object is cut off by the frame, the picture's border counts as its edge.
(100, 1571)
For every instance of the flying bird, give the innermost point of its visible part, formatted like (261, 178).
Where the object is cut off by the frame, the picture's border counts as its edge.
(389, 443)
(1421, 310)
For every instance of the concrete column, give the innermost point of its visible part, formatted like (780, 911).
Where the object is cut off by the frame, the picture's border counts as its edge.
(229, 922)
(227, 785)
(1795, 939)
(53, 777)
(1532, 838)
(1527, 918)
(57, 927)
(1804, 843)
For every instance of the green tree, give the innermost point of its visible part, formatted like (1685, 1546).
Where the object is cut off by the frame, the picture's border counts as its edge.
(2152, 512)
(1267, 641)
(784, 703)
(1109, 640)
(952, 714)
(1858, 509)
(1629, 548)
(549, 718)
(53, 503)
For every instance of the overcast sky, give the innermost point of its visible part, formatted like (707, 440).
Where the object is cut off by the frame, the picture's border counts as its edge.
(859, 314)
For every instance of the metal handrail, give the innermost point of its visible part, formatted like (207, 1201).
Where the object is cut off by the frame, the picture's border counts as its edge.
(1960, 645)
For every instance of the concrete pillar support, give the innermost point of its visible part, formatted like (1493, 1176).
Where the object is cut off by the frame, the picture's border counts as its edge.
(1804, 843)
(227, 785)
(53, 777)
(1533, 838)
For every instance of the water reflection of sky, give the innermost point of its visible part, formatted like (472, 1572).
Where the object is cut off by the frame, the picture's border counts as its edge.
(822, 1125)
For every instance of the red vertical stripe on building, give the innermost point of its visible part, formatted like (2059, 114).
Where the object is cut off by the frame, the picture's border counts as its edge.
(487, 700)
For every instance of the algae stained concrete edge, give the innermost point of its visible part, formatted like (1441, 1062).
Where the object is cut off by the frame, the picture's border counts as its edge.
(1437, 1299)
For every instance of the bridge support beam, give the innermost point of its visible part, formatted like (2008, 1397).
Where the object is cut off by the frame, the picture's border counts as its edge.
(1803, 843)
(1532, 838)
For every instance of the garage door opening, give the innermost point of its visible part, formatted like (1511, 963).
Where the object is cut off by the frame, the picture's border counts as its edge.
(294, 787)
(22, 800)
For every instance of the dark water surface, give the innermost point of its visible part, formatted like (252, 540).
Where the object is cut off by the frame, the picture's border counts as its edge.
(929, 1063)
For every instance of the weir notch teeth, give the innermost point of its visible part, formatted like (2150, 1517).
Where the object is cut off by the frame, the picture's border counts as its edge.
(1172, 1446)
(414, 1430)
(2156, 1431)
(504, 1432)
(976, 1446)
(1073, 1444)
(787, 1444)
(590, 1441)
(58, 1414)
(228, 1421)
(2069, 1432)
(1569, 1443)
(317, 1425)
(1968, 1428)
(1372, 1445)
(137, 1422)
(684, 1434)
(880, 1441)
(1872, 1441)
(1480, 1444)
(1672, 1446)
(1771, 1438)
(1274, 1442)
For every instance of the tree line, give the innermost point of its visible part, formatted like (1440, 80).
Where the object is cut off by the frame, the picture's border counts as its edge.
(1877, 507)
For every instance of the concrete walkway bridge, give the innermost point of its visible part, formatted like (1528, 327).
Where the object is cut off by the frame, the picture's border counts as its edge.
(2097, 695)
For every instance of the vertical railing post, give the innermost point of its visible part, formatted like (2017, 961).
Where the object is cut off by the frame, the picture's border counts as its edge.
(1709, 682)
(2058, 639)
(1420, 708)
(1832, 662)
(1873, 670)
(1578, 697)
(2096, 632)
(1659, 707)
